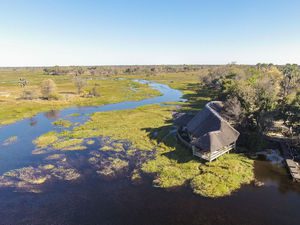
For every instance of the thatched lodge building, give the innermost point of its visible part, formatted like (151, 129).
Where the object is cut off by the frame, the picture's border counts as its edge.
(207, 133)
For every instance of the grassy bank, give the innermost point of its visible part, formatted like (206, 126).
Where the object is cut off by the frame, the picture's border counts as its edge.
(111, 90)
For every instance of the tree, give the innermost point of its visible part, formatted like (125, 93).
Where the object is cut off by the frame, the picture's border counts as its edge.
(79, 83)
(258, 92)
(292, 113)
(48, 89)
(232, 109)
(79, 71)
(291, 78)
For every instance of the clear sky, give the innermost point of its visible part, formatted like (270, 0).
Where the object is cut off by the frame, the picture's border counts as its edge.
(86, 32)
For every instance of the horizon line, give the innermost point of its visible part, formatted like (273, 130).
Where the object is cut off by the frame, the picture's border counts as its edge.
(120, 65)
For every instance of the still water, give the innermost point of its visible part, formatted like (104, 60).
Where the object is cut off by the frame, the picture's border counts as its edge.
(93, 199)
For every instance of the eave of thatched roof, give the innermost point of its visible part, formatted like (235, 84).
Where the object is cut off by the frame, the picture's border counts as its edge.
(182, 119)
(210, 131)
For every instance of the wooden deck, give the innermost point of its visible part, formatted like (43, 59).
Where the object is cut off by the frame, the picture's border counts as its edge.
(294, 169)
(206, 155)
(293, 166)
(210, 156)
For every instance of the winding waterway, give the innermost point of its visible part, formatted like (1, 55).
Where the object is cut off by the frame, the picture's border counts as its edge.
(93, 200)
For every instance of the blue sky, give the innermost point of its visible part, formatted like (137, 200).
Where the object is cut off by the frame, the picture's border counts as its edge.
(61, 32)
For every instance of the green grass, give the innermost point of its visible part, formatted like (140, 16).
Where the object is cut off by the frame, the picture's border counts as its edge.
(70, 144)
(90, 142)
(223, 176)
(75, 114)
(111, 90)
(129, 125)
(57, 141)
(62, 123)
(46, 139)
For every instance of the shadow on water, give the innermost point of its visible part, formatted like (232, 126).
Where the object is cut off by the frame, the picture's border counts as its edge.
(103, 193)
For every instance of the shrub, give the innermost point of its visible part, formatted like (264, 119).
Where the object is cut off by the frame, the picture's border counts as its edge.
(79, 84)
(48, 89)
(29, 94)
(92, 93)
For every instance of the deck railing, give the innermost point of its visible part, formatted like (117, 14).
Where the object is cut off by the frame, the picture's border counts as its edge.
(210, 156)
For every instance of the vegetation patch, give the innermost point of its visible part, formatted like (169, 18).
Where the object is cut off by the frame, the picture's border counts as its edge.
(223, 176)
(32, 178)
(39, 151)
(27, 174)
(46, 139)
(74, 114)
(106, 148)
(68, 144)
(108, 166)
(131, 125)
(62, 123)
(136, 176)
(90, 142)
(56, 157)
(170, 173)
(10, 140)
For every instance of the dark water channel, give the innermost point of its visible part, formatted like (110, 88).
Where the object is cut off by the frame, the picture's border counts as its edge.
(94, 199)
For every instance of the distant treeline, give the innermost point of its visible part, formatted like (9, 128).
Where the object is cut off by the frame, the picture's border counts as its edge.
(133, 69)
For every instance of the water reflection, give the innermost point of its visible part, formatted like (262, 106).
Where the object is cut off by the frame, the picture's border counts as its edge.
(276, 176)
(33, 121)
(52, 114)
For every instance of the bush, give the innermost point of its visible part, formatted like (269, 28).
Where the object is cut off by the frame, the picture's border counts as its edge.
(79, 83)
(29, 94)
(92, 93)
(48, 89)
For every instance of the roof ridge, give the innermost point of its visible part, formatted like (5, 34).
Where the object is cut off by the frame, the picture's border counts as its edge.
(218, 115)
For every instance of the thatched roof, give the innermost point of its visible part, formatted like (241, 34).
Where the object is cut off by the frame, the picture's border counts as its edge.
(182, 119)
(209, 130)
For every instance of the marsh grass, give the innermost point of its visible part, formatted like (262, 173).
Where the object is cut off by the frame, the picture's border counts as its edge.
(74, 114)
(62, 123)
(46, 139)
(136, 176)
(90, 142)
(12, 108)
(10, 140)
(56, 141)
(129, 125)
(109, 167)
(223, 176)
(69, 144)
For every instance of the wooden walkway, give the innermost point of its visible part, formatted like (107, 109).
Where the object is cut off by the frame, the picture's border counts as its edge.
(294, 167)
